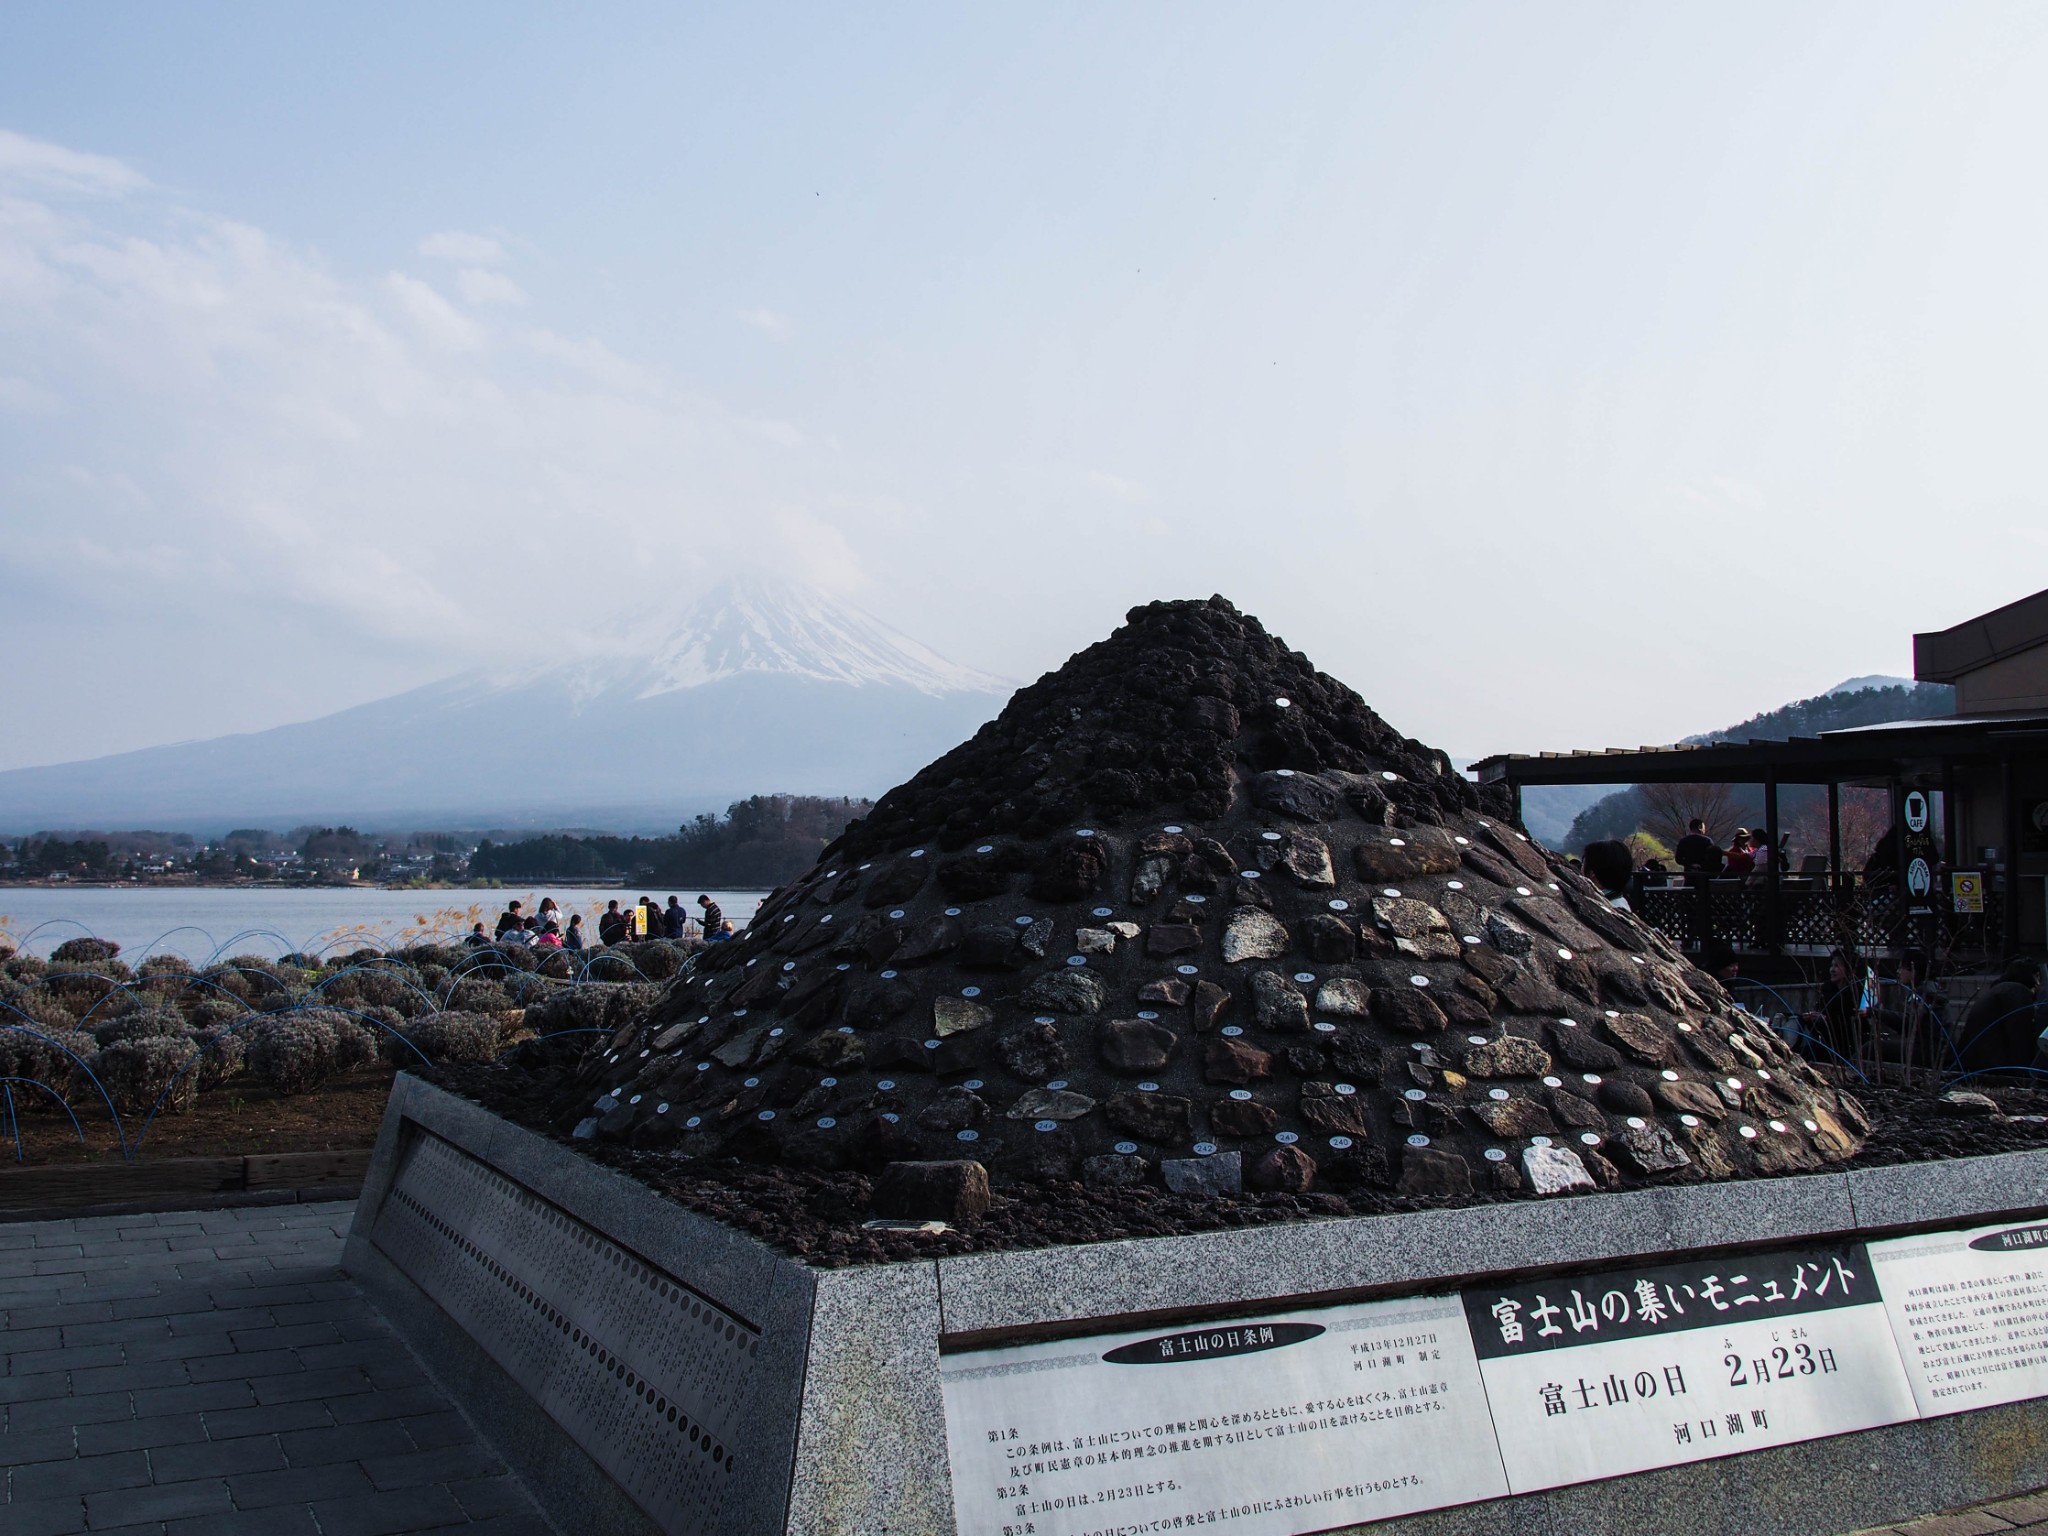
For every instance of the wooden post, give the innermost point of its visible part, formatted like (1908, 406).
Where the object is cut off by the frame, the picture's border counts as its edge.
(2009, 937)
(1835, 835)
(1774, 912)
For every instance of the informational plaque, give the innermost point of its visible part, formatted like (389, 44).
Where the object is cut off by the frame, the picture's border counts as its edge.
(1970, 1311)
(1267, 1426)
(1595, 1376)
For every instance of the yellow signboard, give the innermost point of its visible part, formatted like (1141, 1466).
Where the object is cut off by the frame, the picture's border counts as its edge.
(1968, 888)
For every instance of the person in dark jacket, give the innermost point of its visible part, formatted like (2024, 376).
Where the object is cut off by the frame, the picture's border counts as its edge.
(2001, 1028)
(611, 927)
(573, 939)
(712, 918)
(1611, 865)
(1835, 1030)
(673, 916)
(509, 921)
(1697, 853)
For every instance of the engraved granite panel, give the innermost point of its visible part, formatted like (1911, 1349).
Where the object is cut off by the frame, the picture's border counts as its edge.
(650, 1376)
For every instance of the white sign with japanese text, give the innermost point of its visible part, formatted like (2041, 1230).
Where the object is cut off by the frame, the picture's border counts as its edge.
(1970, 1312)
(1597, 1376)
(1268, 1427)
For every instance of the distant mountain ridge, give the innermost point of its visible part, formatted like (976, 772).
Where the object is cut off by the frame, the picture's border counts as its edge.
(1552, 811)
(760, 687)
(1619, 811)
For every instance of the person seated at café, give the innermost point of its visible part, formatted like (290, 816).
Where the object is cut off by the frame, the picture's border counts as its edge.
(1834, 1031)
(2002, 1027)
(1610, 865)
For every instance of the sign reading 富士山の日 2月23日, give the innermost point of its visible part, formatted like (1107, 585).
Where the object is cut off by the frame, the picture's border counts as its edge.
(1309, 1419)
(1293, 1422)
(1597, 1376)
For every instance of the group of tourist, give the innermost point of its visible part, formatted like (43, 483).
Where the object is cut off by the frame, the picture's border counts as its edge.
(1747, 853)
(1864, 1017)
(543, 927)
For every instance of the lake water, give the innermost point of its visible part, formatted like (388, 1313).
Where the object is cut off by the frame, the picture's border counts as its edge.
(203, 924)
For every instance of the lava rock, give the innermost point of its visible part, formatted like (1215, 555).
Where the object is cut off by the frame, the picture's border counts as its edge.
(955, 1109)
(1328, 939)
(1512, 1119)
(1642, 1037)
(1344, 997)
(1253, 935)
(1334, 1113)
(1650, 1150)
(1069, 990)
(1299, 795)
(1163, 941)
(1235, 1062)
(1409, 1009)
(1438, 1174)
(1509, 1056)
(1580, 1051)
(1050, 1104)
(1278, 1004)
(1034, 1052)
(1404, 855)
(1136, 1047)
(1171, 991)
(954, 1191)
(1207, 1006)
(1692, 1098)
(930, 939)
(1113, 1170)
(956, 1015)
(1242, 1117)
(1075, 868)
(1308, 860)
(1554, 1171)
(1285, 1170)
(1626, 1098)
(1160, 1118)
(1217, 1176)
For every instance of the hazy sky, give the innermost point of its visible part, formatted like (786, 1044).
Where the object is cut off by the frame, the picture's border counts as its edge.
(1558, 375)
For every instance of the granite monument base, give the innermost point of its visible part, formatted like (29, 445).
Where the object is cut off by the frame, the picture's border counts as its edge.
(646, 1369)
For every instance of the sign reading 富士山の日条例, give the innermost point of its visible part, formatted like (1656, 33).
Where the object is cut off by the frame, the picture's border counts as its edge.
(1292, 1422)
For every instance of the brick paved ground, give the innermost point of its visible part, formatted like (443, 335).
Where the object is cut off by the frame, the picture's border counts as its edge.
(212, 1372)
(2028, 1512)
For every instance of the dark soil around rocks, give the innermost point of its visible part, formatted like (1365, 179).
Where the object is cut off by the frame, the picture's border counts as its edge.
(817, 1217)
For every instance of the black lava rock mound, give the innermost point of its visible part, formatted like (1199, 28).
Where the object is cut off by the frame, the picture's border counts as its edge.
(1189, 912)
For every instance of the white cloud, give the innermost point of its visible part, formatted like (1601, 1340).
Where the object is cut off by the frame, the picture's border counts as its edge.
(37, 162)
(437, 319)
(769, 321)
(27, 398)
(481, 286)
(1131, 492)
(375, 468)
(460, 246)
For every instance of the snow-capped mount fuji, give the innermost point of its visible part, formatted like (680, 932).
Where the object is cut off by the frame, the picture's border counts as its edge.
(760, 687)
(753, 625)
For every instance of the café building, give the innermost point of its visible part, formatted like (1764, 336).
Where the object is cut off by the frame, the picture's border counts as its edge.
(1967, 860)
